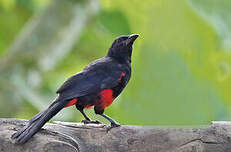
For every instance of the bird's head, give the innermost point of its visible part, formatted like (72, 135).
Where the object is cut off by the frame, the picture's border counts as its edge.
(121, 48)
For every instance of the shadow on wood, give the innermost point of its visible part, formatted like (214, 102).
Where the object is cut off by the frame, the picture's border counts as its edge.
(74, 137)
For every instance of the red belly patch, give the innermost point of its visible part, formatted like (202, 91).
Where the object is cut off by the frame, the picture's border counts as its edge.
(72, 102)
(106, 97)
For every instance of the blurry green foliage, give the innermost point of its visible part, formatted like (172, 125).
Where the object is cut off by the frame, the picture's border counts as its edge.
(181, 62)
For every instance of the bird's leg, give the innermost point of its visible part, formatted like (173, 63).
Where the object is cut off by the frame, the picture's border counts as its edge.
(100, 111)
(87, 119)
(113, 122)
(85, 116)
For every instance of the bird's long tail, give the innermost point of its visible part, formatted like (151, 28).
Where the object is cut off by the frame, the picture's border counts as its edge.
(37, 122)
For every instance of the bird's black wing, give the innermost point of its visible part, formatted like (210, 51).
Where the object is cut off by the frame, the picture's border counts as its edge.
(92, 80)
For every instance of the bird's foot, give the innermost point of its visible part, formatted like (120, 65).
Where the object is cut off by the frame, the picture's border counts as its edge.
(113, 125)
(91, 122)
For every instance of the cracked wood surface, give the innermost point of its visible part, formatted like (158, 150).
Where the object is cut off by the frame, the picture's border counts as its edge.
(77, 137)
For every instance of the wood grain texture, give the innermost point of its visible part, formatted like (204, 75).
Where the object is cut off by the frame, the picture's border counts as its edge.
(77, 137)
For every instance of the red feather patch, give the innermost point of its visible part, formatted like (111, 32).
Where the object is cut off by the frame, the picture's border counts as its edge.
(121, 76)
(72, 102)
(106, 97)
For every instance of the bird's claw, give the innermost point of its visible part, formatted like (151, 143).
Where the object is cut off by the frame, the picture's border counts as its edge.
(113, 125)
(91, 122)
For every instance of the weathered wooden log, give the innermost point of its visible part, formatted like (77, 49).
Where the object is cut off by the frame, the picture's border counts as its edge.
(78, 137)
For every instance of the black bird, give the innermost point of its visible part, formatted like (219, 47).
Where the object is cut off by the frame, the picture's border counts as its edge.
(97, 85)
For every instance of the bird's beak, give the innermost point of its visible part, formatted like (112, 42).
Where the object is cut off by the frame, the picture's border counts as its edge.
(131, 38)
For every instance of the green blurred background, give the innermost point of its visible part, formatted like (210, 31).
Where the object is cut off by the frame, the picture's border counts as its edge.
(181, 62)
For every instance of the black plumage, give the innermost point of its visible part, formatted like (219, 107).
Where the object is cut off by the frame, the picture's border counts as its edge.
(97, 85)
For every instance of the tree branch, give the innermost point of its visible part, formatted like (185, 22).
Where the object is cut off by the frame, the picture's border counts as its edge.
(69, 137)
